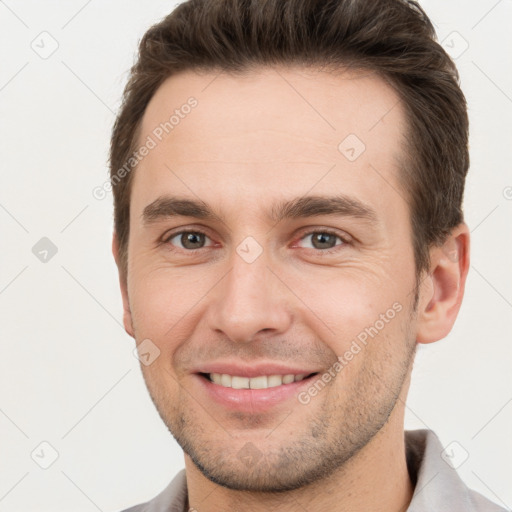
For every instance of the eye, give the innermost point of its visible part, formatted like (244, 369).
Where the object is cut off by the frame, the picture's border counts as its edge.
(189, 240)
(324, 240)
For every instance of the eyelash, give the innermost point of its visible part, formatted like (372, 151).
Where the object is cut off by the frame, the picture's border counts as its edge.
(336, 248)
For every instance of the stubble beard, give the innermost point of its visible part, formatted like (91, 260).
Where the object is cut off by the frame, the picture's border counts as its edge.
(323, 445)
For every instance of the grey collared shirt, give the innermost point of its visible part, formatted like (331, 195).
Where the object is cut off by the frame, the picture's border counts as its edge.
(437, 486)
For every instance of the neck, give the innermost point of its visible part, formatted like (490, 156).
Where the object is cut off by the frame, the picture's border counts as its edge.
(376, 479)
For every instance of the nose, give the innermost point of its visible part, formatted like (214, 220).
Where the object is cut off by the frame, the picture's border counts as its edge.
(250, 299)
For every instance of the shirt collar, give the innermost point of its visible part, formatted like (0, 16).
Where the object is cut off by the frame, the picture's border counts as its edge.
(437, 484)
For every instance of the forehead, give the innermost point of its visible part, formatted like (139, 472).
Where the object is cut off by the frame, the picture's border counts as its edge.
(271, 129)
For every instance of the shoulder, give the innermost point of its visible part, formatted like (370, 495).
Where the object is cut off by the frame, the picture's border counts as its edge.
(437, 484)
(172, 499)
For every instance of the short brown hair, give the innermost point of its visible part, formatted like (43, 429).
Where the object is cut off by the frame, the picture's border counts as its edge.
(393, 38)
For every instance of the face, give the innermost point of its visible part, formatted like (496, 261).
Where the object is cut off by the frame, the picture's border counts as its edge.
(269, 237)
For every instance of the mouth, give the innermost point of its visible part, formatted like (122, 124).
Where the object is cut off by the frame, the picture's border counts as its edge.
(257, 394)
(259, 382)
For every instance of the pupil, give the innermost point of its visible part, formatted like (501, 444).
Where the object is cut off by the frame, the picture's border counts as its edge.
(191, 238)
(323, 238)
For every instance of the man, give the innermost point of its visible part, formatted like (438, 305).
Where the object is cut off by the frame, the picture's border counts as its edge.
(288, 179)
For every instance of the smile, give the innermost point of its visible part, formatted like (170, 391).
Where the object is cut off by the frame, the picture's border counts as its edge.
(258, 382)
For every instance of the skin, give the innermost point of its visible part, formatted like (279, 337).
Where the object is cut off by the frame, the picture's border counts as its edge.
(272, 135)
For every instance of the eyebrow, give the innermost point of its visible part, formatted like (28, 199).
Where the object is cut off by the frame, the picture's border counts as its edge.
(166, 207)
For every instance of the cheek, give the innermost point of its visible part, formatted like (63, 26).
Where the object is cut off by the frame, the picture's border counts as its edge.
(160, 302)
(354, 316)
(336, 305)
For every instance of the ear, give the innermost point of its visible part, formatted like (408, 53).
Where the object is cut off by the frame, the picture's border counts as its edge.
(127, 315)
(443, 289)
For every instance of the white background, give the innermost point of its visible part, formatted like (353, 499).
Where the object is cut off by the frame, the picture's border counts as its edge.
(67, 372)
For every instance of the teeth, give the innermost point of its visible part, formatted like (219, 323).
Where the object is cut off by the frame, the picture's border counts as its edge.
(239, 382)
(260, 382)
(225, 380)
(274, 380)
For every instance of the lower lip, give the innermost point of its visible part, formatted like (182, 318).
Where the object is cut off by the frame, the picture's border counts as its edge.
(252, 400)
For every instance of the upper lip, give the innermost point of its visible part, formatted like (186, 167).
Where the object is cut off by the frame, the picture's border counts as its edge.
(254, 370)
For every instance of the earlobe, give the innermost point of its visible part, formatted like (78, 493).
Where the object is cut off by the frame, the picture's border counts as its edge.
(127, 315)
(443, 291)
